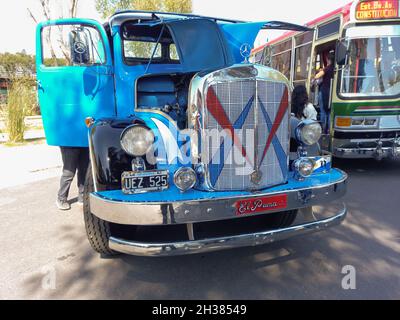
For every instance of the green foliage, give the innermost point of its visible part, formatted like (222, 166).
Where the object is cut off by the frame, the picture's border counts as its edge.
(21, 102)
(17, 65)
(108, 7)
(136, 49)
(56, 62)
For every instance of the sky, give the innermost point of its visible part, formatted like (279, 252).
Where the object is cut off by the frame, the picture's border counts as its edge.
(17, 28)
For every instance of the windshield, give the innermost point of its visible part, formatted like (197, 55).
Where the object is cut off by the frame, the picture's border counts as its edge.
(140, 41)
(373, 67)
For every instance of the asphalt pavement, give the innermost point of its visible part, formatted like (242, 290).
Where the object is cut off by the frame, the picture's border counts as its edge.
(45, 254)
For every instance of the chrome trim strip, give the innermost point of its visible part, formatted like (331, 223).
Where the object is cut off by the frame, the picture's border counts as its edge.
(223, 243)
(93, 162)
(133, 213)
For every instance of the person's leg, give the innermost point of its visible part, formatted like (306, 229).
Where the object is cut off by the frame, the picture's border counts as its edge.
(327, 111)
(322, 110)
(70, 158)
(82, 170)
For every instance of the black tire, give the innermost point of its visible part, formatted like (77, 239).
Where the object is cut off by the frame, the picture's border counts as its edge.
(97, 230)
(283, 219)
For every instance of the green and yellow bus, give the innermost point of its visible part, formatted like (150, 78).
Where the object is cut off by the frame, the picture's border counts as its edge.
(365, 90)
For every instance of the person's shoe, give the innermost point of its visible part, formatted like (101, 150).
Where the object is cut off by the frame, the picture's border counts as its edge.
(63, 205)
(80, 200)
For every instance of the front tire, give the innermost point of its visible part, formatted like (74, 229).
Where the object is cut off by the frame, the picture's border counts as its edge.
(97, 230)
(280, 220)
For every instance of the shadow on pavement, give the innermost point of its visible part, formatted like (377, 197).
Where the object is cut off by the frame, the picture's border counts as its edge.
(300, 268)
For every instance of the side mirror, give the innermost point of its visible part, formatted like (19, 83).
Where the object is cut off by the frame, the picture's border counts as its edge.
(341, 53)
(79, 46)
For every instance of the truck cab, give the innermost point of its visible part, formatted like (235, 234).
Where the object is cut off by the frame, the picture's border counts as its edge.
(193, 148)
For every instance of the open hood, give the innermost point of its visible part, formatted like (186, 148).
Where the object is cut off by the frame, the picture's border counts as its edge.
(238, 34)
(205, 43)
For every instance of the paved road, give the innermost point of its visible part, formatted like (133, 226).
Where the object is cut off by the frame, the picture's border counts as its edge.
(45, 254)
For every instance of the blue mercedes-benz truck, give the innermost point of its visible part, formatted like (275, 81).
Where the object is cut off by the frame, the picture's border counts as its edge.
(192, 148)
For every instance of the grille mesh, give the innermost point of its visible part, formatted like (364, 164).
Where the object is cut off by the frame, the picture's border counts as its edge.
(239, 117)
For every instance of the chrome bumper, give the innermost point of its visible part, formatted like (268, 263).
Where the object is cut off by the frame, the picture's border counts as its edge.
(363, 150)
(215, 244)
(194, 211)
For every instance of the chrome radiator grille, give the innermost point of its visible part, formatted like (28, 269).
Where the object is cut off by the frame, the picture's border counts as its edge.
(245, 140)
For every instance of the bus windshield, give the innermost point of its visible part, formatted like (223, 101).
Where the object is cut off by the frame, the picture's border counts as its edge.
(373, 67)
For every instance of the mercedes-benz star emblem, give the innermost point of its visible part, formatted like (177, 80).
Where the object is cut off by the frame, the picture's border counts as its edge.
(245, 51)
(79, 47)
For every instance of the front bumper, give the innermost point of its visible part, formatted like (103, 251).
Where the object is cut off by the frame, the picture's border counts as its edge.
(222, 243)
(196, 206)
(367, 149)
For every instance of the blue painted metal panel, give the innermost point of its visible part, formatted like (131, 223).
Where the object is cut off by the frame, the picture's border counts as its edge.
(238, 34)
(70, 94)
(174, 195)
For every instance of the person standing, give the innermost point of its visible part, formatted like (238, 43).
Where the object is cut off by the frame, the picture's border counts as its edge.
(326, 74)
(301, 106)
(75, 160)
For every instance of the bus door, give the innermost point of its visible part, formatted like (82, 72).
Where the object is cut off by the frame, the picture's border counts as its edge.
(321, 58)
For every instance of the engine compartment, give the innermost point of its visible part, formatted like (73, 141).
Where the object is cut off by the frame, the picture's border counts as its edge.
(165, 93)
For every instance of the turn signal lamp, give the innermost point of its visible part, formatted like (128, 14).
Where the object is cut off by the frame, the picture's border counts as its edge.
(343, 122)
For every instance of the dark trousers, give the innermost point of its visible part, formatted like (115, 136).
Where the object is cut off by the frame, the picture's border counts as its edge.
(74, 159)
(325, 108)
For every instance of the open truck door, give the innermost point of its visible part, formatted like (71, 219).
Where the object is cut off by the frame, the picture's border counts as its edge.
(75, 78)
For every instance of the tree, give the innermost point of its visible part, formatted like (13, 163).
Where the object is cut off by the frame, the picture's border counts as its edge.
(19, 65)
(108, 7)
(68, 9)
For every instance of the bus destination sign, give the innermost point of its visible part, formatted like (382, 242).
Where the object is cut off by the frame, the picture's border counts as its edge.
(377, 9)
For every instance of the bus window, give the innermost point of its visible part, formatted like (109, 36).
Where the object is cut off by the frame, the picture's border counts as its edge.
(302, 57)
(373, 67)
(281, 62)
(267, 56)
(318, 63)
(304, 38)
(259, 57)
(328, 29)
(302, 63)
(282, 47)
(282, 57)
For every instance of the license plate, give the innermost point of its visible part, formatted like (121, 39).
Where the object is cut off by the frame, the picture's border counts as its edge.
(262, 204)
(138, 182)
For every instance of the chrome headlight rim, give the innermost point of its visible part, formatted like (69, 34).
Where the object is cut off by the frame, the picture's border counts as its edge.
(300, 136)
(181, 171)
(297, 167)
(150, 141)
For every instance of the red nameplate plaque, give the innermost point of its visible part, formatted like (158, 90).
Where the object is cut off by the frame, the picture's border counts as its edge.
(262, 204)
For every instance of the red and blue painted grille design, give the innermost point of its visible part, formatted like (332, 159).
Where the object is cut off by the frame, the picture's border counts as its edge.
(246, 126)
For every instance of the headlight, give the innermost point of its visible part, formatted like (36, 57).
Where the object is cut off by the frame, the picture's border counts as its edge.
(137, 140)
(308, 132)
(304, 167)
(185, 179)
